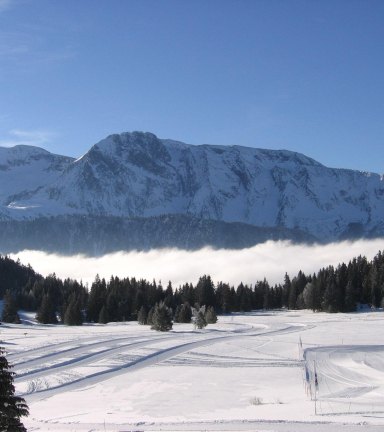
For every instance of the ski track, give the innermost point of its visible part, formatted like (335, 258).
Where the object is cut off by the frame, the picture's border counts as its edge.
(143, 362)
(344, 373)
(85, 349)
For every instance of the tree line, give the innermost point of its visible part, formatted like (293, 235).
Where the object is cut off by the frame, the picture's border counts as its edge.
(331, 289)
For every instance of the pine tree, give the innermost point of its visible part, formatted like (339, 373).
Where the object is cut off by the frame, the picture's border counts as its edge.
(73, 314)
(185, 314)
(150, 316)
(162, 318)
(177, 314)
(103, 317)
(11, 407)
(293, 294)
(205, 291)
(211, 316)
(331, 302)
(96, 299)
(309, 296)
(46, 313)
(142, 316)
(200, 321)
(286, 290)
(169, 295)
(350, 299)
(9, 311)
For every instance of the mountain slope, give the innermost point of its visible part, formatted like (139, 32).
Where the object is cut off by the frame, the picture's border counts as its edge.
(98, 235)
(24, 170)
(138, 175)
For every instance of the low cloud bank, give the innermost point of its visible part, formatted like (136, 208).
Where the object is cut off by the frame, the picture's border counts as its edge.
(268, 260)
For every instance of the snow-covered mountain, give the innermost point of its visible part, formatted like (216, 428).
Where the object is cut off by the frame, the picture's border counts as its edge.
(24, 170)
(138, 175)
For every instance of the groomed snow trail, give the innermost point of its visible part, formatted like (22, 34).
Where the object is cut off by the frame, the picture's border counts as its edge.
(350, 378)
(145, 361)
(135, 379)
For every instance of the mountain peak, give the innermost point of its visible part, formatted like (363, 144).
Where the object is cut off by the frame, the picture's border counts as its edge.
(131, 147)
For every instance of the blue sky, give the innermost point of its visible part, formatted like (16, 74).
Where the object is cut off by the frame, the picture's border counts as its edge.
(305, 76)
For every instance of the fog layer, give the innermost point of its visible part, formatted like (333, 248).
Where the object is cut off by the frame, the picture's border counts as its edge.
(269, 260)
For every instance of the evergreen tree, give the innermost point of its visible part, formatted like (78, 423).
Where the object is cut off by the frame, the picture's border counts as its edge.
(200, 321)
(103, 317)
(244, 298)
(150, 315)
(293, 294)
(205, 291)
(374, 277)
(286, 289)
(112, 306)
(142, 316)
(9, 311)
(331, 301)
(185, 315)
(96, 299)
(309, 296)
(140, 297)
(177, 314)
(350, 299)
(12, 407)
(224, 298)
(74, 315)
(211, 316)
(162, 318)
(46, 313)
(169, 295)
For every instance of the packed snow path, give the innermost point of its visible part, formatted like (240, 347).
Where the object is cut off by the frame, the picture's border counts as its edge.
(179, 347)
(350, 378)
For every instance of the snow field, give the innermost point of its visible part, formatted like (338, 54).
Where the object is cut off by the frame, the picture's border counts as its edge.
(132, 378)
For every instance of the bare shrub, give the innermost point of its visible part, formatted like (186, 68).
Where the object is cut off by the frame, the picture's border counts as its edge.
(256, 400)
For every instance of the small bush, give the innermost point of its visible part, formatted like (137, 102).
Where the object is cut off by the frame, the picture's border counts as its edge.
(256, 400)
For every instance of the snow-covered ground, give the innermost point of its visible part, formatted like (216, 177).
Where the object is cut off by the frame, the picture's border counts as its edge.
(125, 377)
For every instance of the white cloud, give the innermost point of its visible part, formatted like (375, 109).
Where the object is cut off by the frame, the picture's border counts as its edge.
(34, 138)
(270, 260)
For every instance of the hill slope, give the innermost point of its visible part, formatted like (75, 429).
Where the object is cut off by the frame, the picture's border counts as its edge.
(98, 235)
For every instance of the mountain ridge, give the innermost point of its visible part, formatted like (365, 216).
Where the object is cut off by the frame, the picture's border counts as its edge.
(136, 174)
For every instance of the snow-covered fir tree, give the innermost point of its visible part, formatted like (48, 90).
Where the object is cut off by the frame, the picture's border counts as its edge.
(9, 310)
(12, 407)
(162, 318)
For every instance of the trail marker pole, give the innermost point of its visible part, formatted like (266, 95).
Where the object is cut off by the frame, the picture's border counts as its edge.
(314, 365)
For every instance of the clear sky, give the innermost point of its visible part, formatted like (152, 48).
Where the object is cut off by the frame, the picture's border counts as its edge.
(306, 76)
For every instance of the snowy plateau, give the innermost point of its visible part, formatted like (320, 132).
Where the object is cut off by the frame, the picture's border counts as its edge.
(138, 177)
(249, 372)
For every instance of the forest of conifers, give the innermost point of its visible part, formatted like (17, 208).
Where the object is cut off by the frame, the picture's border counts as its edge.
(331, 289)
